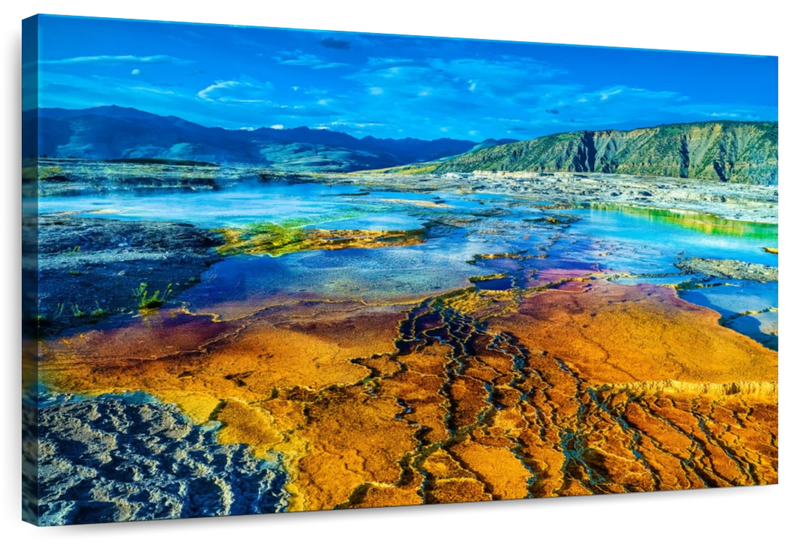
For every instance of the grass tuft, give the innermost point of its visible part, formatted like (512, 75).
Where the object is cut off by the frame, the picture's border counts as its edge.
(149, 301)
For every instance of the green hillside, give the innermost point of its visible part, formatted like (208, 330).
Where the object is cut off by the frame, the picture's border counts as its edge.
(731, 151)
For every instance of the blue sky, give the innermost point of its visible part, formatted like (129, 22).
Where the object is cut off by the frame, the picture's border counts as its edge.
(389, 86)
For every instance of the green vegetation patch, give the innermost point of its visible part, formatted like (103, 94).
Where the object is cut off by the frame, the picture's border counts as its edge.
(406, 169)
(292, 235)
(151, 301)
(475, 279)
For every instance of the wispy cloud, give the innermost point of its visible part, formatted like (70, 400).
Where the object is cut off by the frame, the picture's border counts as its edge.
(152, 90)
(385, 86)
(206, 94)
(739, 112)
(242, 91)
(511, 95)
(383, 61)
(299, 58)
(121, 59)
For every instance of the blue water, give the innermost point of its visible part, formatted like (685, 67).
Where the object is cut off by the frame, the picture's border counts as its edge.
(737, 297)
(243, 284)
(498, 284)
(644, 244)
(641, 244)
(235, 207)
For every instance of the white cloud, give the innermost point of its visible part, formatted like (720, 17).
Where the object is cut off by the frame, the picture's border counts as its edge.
(120, 59)
(152, 90)
(348, 124)
(299, 58)
(135, 72)
(498, 78)
(205, 94)
(604, 95)
(382, 61)
(515, 95)
(238, 91)
(725, 111)
(328, 65)
(495, 75)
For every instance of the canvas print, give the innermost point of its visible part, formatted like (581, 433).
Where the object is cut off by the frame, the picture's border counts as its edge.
(273, 270)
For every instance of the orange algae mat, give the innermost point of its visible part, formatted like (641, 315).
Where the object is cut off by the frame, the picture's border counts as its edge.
(575, 388)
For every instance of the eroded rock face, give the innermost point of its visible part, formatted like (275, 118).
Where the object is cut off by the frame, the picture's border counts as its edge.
(122, 458)
(738, 152)
(557, 389)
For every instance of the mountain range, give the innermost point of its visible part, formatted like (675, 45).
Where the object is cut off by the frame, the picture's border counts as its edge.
(113, 132)
(728, 151)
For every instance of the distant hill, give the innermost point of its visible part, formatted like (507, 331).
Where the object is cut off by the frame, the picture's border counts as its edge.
(730, 151)
(113, 132)
(491, 143)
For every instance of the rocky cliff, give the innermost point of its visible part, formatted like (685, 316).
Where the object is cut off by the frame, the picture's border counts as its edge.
(729, 151)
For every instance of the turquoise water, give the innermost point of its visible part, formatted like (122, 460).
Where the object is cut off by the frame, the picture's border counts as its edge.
(644, 243)
(649, 245)
(235, 207)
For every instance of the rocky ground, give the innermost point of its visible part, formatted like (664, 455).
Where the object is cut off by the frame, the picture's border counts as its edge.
(73, 176)
(89, 268)
(141, 460)
(728, 200)
(728, 268)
